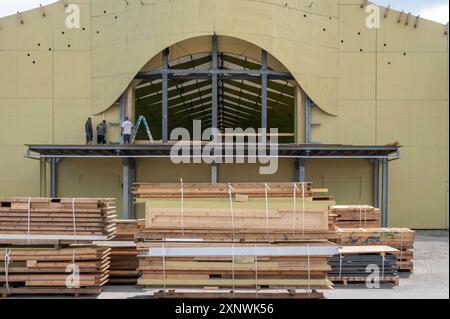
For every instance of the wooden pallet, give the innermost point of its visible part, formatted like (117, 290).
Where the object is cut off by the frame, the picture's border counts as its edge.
(345, 280)
(237, 294)
(76, 292)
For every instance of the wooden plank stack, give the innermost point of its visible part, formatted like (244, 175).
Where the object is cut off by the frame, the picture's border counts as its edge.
(356, 216)
(399, 238)
(357, 263)
(126, 230)
(238, 265)
(44, 269)
(124, 262)
(205, 211)
(46, 220)
(124, 254)
(220, 190)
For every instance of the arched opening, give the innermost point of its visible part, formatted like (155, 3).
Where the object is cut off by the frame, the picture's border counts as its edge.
(223, 86)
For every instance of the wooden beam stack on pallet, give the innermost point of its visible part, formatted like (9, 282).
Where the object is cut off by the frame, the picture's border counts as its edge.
(124, 254)
(209, 212)
(49, 220)
(235, 266)
(124, 262)
(399, 238)
(361, 264)
(45, 269)
(356, 216)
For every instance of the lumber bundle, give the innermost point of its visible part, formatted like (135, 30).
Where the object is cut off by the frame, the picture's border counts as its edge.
(353, 216)
(48, 269)
(399, 238)
(239, 265)
(202, 190)
(26, 220)
(359, 264)
(124, 262)
(126, 230)
(210, 212)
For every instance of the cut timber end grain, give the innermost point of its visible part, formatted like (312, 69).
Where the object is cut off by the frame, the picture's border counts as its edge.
(241, 198)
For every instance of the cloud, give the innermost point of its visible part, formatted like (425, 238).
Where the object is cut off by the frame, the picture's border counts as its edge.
(436, 13)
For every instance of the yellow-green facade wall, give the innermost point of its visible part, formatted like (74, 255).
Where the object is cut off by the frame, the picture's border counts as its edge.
(376, 87)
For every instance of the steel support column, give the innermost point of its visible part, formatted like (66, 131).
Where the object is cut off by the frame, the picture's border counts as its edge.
(165, 102)
(214, 173)
(122, 111)
(308, 120)
(300, 170)
(215, 87)
(264, 73)
(53, 177)
(43, 177)
(376, 183)
(128, 178)
(384, 193)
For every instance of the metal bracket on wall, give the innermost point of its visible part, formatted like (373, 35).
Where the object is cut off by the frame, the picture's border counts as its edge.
(407, 18)
(387, 11)
(42, 10)
(416, 23)
(400, 16)
(19, 16)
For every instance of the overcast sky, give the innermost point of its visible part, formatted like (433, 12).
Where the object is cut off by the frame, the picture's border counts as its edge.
(430, 9)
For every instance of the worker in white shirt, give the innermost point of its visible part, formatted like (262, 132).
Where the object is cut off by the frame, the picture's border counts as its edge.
(127, 128)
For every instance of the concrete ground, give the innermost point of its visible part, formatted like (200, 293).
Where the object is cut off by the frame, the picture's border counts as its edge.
(429, 280)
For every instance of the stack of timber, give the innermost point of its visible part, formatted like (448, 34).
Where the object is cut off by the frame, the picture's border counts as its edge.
(126, 230)
(235, 266)
(124, 254)
(209, 212)
(48, 270)
(124, 262)
(354, 216)
(399, 238)
(359, 264)
(26, 220)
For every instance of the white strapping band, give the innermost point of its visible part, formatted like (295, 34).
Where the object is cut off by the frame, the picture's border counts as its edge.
(7, 260)
(182, 207)
(234, 286)
(230, 196)
(164, 266)
(303, 210)
(294, 223)
(309, 271)
(29, 219)
(256, 272)
(401, 249)
(266, 189)
(74, 221)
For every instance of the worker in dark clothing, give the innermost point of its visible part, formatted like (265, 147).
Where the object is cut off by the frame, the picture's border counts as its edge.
(101, 132)
(89, 131)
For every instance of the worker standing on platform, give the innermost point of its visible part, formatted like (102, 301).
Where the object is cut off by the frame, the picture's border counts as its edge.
(101, 132)
(89, 131)
(127, 128)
